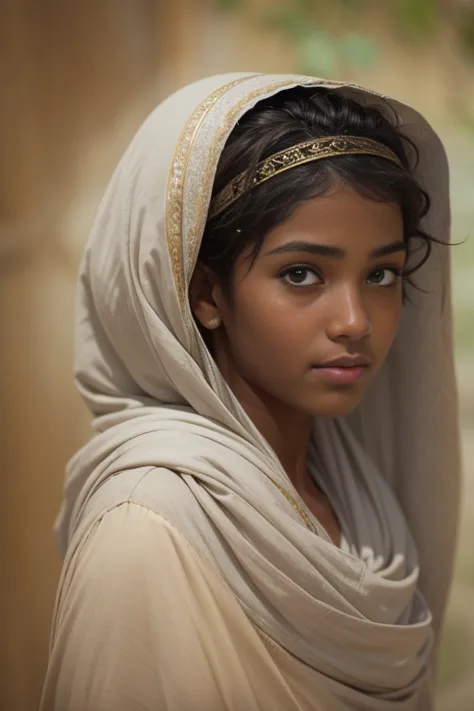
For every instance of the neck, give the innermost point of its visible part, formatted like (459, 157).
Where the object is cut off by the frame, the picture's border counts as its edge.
(286, 430)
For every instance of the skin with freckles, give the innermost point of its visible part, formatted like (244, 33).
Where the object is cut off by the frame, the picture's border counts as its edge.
(326, 284)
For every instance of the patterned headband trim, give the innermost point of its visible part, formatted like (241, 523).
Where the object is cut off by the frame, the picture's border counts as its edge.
(316, 149)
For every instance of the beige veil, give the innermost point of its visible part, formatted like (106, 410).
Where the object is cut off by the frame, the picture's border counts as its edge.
(355, 616)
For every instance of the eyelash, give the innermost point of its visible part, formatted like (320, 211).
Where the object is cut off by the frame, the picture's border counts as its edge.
(396, 271)
(295, 267)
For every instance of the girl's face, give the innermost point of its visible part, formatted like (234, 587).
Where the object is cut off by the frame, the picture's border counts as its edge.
(310, 324)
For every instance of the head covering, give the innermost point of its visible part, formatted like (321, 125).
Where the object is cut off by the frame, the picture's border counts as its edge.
(362, 616)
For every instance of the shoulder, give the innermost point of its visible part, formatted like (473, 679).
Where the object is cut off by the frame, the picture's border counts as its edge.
(162, 502)
(158, 489)
(126, 551)
(126, 537)
(135, 580)
(131, 565)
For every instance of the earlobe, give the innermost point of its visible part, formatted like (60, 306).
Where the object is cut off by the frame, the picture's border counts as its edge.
(213, 323)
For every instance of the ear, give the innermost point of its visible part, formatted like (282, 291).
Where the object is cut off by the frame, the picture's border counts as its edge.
(204, 297)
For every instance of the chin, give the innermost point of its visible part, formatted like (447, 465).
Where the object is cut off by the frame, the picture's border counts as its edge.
(338, 403)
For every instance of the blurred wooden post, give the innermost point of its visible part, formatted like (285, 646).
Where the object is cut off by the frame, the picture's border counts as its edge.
(69, 69)
(180, 19)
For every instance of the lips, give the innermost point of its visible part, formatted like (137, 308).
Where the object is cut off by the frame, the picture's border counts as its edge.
(346, 361)
(346, 369)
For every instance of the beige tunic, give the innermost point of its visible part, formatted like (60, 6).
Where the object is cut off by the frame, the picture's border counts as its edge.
(143, 623)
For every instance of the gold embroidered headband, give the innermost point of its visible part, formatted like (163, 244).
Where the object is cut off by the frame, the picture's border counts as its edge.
(316, 149)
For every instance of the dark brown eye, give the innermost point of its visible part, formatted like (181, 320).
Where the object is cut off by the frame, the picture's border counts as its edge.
(300, 276)
(386, 276)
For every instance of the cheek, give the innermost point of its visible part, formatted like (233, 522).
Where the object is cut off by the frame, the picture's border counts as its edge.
(385, 323)
(265, 326)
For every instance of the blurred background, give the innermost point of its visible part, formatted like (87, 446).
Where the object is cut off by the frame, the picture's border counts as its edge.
(77, 79)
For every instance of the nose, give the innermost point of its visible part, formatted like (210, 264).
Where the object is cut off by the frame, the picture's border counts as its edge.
(348, 316)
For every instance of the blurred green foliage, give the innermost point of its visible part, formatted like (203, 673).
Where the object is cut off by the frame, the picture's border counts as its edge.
(314, 27)
(467, 33)
(417, 18)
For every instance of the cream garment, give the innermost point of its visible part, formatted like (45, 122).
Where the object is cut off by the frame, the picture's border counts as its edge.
(362, 618)
(145, 624)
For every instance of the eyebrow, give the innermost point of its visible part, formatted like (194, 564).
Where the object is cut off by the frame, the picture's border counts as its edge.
(325, 250)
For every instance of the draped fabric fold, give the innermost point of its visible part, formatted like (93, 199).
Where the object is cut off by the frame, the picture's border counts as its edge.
(364, 616)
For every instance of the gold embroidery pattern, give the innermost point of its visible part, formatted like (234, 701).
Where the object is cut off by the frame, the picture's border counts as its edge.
(293, 503)
(174, 198)
(307, 152)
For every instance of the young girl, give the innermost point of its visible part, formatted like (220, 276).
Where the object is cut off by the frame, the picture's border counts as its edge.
(266, 261)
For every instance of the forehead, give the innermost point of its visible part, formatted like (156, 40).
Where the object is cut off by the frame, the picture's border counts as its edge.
(341, 218)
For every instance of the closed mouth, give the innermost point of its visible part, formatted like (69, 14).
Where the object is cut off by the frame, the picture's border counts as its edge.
(346, 361)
